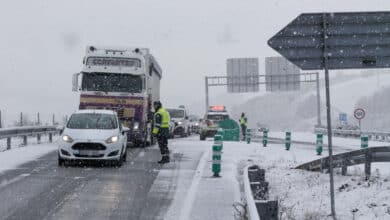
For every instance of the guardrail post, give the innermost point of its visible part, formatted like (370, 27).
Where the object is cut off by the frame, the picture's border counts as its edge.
(217, 154)
(248, 135)
(288, 140)
(50, 137)
(24, 140)
(319, 143)
(364, 141)
(265, 138)
(367, 164)
(38, 138)
(344, 170)
(8, 143)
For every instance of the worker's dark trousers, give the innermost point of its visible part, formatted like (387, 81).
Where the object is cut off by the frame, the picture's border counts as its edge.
(162, 139)
(243, 130)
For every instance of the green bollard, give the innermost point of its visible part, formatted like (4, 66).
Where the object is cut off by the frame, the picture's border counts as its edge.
(248, 136)
(217, 154)
(218, 140)
(288, 140)
(319, 143)
(364, 141)
(265, 138)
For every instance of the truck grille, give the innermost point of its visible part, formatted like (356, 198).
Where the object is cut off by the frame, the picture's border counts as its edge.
(88, 146)
(120, 112)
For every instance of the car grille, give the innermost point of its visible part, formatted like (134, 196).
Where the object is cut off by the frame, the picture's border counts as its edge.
(90, 156)
(88, 146)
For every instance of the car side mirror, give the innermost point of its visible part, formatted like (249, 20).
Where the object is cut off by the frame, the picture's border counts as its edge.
(186, 117)
(125, 130)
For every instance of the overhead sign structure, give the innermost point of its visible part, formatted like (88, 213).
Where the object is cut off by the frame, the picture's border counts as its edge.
(347, 40)
(353, 40)
(242, 75)
(281, 75)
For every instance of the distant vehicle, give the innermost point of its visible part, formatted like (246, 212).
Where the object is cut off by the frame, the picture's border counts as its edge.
(93, 135)
(209, 126)
(180, 117)
(194, 124)
(126, 80)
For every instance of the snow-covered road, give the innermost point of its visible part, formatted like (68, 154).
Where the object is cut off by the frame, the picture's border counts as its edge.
(35, 188)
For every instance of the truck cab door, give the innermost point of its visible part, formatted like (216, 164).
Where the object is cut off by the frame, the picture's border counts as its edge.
(75, 82)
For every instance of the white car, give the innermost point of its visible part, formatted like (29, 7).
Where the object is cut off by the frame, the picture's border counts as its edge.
(93, 135)
(180, 119)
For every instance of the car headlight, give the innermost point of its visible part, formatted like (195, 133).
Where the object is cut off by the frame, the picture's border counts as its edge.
(135, 126)
(112, 139)
(179, 122)
(196, 124)
(67, 138)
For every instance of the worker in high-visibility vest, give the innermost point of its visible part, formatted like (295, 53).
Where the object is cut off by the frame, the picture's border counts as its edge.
(243, 122)
(161, 130)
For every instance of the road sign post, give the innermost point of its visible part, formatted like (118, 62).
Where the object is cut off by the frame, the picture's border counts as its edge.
(359, 114)
(348, 40)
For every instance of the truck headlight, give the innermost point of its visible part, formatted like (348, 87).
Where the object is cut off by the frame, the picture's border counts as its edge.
(179, 122)
(135, 126)
(67, 138)
(112, 139)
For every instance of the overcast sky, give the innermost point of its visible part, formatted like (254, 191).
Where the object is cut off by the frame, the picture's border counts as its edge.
(42, 43)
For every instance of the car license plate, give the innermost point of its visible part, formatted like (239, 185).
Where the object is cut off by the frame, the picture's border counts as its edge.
(89, 152)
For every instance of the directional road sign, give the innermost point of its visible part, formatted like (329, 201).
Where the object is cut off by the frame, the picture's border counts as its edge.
(350, 40)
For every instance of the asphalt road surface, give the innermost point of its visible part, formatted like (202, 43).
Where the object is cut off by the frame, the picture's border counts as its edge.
(42, 190)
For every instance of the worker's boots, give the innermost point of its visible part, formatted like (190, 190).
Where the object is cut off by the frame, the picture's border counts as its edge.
(164, 159)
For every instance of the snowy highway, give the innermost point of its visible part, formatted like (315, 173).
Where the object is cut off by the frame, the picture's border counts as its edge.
(183, 189)
(42, 190)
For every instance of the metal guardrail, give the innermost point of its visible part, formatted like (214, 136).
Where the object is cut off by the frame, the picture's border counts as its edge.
(343, 160)
(25, 132)
(372, 135)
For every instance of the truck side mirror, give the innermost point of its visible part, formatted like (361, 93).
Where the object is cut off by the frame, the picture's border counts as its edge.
(75, 82)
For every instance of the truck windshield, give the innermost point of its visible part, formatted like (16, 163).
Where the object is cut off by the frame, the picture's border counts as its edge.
(92, 121)
(176, 113)
(112, 82)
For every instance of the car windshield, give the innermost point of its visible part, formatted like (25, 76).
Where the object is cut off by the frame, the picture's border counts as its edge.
(176, 113)
(92, 121)
(112, 82)
(217, 117)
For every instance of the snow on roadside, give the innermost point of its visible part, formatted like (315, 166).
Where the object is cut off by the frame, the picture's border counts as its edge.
(16, 156)
(305, 195)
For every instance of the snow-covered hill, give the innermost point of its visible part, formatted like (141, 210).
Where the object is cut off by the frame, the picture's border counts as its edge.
(297, 110)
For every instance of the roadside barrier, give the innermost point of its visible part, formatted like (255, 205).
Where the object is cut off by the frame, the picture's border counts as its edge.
(319, 143)
(287, 143)
(248, 136)
(364, 141)
(24, 132)
(364, 156)
(259, 207)
(265, 137)
(217, 155)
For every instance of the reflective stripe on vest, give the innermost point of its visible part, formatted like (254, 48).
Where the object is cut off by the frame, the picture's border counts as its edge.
(164, 118)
